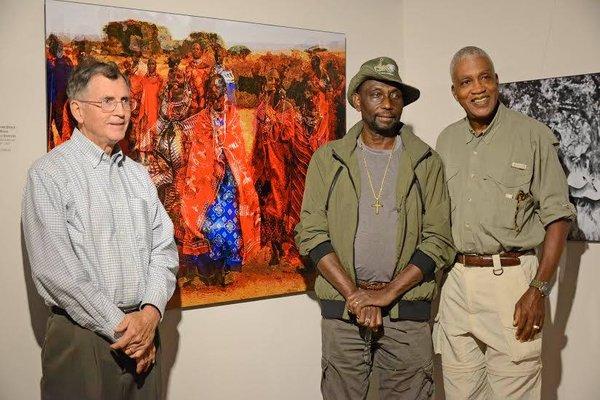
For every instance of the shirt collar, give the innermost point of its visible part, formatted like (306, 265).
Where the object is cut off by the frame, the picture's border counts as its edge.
(490, 131)
(397, 145)
(93, 152)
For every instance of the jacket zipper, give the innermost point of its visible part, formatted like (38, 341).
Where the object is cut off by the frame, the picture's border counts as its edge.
(337, 157)
(335, 178)
(403, 204)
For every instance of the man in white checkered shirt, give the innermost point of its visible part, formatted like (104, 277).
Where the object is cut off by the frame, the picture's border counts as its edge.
(101, 250)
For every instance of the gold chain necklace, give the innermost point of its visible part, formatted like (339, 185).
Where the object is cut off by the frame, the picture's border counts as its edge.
(377, 205)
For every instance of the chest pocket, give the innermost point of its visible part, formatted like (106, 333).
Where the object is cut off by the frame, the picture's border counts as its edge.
(140, 215)
(512, 174)
(509, 189)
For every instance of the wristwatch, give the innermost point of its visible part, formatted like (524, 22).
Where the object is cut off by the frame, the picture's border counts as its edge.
(543, 287)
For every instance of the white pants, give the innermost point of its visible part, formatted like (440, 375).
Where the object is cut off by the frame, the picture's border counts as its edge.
(474, 333)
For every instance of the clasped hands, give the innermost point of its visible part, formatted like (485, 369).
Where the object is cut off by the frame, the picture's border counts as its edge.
(366, 306)
(137, 331)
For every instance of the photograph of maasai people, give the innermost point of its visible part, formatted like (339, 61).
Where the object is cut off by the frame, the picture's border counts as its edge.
(225, 116)
(570, 106)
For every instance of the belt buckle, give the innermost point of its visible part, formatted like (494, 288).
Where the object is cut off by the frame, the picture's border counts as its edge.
(465, 255)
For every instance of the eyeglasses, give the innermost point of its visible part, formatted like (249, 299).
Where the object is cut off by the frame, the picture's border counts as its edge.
(109, 105)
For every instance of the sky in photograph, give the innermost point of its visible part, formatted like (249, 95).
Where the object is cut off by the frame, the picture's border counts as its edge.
(78, 21)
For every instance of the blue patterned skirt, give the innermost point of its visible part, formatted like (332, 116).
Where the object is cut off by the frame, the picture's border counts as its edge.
(222, 226)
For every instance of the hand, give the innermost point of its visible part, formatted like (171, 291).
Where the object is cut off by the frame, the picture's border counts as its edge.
(137, 329)
(363, 298)
(146, 360)
(529, 311)
(370, 317)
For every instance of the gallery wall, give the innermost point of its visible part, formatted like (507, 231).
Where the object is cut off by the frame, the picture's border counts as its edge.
(526, 40)
(268, 349)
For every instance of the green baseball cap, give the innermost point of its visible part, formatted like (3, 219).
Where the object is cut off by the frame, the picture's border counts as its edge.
(386, 70)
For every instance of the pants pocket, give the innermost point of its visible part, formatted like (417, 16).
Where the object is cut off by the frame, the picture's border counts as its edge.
(519, 351)
(509, 287)
(528, 267)
(324, 367)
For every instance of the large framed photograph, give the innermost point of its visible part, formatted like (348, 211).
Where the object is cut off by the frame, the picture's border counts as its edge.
(570, 106)
(229, 165)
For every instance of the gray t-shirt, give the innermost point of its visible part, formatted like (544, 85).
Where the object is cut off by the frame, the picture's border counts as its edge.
(375, 250)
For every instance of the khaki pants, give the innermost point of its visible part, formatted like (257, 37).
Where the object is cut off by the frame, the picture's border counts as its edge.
(474, 333)
(401, 352)
(78, 364)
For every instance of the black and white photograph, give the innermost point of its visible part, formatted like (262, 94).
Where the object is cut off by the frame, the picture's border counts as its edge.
(570, 106)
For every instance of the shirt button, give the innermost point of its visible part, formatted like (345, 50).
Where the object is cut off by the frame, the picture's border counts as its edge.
(469, 200)
(467, 224)
(475, 152)
(472, 175)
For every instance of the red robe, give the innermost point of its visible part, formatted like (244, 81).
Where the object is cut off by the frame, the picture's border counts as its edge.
(148, 114)
(270, 159)
(301, 152)
(198, 72)
(324, 130)
(205, 171)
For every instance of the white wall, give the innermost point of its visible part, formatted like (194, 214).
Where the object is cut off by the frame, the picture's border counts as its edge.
(270, 349)
(267, 349)
(526, 40)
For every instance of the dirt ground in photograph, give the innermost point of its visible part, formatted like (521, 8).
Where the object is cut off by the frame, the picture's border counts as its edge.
(255, 280)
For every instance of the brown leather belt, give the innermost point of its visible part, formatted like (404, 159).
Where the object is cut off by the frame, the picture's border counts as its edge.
(507, 259)
(371, 285)
(63, 312)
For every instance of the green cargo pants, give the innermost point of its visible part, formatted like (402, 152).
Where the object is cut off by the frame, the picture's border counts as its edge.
(401, 352)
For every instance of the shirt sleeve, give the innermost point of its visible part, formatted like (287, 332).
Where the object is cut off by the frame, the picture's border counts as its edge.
(57, 272)
(549, 184)
(164, 259)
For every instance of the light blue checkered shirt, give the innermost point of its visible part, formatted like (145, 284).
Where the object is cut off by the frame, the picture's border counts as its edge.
(99, 240)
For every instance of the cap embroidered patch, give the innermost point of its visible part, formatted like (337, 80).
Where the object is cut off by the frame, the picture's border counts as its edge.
(382, 68)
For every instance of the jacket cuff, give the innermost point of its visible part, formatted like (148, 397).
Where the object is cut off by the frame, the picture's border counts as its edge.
(320, 251)
(424, 263)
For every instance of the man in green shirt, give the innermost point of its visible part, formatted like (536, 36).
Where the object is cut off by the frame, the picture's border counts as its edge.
(508, 194)
(375, 221)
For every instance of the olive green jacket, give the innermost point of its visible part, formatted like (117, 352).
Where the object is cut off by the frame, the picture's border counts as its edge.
(329, 218)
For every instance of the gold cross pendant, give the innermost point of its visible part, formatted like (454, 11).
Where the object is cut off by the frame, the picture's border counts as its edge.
(377, 205)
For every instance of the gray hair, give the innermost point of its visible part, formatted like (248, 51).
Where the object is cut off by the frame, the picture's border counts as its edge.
(85, 71)
(468, 51)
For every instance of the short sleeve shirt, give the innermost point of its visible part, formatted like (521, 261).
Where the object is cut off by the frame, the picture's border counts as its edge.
(506, 185)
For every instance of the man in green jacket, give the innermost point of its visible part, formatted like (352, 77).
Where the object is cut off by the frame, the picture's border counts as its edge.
(375, 221)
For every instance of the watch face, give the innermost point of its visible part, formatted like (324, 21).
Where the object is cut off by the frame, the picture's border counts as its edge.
(545, 288)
